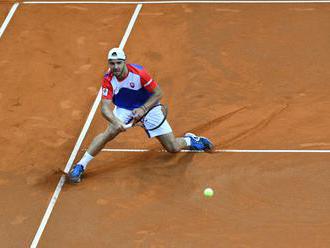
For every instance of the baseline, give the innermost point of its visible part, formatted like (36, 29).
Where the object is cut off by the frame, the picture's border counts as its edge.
(178, 2)
(221, 151)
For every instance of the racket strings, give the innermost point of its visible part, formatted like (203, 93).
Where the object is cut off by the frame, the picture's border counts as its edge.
(155, 117)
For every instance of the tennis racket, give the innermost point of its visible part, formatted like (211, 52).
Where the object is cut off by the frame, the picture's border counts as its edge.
(152, 119)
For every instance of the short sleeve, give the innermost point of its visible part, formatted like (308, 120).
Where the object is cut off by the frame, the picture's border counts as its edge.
(147, 82)
(107, 90)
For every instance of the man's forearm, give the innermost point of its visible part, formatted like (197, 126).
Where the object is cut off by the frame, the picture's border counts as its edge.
(108, 114)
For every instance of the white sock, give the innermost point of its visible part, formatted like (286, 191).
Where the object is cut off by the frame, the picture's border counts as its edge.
(187, 140)
(85, 160)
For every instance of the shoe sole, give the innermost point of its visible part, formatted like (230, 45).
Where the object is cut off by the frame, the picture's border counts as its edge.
(210, 145)
(77, 179)
(210, 148)
(72, 180)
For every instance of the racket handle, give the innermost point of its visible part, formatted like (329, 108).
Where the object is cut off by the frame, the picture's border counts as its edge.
(129, 125)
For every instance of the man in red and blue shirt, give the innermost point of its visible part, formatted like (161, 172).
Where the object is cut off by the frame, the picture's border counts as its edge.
(133, 92)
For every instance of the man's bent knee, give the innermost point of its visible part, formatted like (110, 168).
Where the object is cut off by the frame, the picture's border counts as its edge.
(169, 142)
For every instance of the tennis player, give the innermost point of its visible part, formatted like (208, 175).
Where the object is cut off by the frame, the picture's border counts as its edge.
(133, 92)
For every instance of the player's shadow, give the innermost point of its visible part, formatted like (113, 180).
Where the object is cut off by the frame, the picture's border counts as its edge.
(149, 166)
(163, 172)
(47, 180)
(164, 169)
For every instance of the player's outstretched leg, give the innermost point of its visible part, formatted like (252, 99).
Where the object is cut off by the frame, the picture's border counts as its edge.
(171, 143)
(189, 141)
(95, 147)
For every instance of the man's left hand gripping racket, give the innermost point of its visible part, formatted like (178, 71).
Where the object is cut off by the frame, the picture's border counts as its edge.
(152, 119)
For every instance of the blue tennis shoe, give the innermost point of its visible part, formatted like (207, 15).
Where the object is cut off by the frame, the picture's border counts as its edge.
(76, 173)
(199, 143)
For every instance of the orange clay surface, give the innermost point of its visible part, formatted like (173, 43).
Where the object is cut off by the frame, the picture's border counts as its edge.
(246, 76)
(4, 9)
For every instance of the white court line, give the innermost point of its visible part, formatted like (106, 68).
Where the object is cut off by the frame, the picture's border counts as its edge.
(8, 18)
(221, 151)
(175, 2)
(79, 141)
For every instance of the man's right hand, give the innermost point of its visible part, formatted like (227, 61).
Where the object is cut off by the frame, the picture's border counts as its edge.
(138, 113)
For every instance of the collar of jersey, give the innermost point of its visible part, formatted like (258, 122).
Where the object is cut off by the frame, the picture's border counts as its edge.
(123, 78)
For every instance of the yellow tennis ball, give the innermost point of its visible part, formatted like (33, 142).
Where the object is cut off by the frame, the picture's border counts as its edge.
(208, 192)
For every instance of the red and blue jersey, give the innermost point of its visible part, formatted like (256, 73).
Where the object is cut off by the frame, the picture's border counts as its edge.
(130, 93)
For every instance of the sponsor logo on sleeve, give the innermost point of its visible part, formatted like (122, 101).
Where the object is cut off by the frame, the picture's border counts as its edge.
(105, 91)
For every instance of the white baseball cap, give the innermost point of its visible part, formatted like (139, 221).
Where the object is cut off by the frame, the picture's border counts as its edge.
(116, 53)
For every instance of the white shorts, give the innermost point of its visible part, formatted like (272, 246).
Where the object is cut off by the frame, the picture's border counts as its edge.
(126, 116)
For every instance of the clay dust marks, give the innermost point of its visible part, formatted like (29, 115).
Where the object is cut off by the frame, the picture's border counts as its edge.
(92, 90)
(83, 69)
(19, 219)
(187, 9)
(143, 236)
(227, 10)
(303, 9)
(80, 8)
(263, 123)
(76, 114)
(104, 43)
(152, 14)
(62, 138)
(4, 182)
(66, 104)
(59, 137)
(239, 124)
(102, 202)
(64, 134)
(41, 179)
(153, 55)
(81, 40)
(53, 143)
(316, 144)
(214, 122)
(4, 62)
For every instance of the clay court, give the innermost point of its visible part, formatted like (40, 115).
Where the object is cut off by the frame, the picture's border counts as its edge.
(248, 76)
